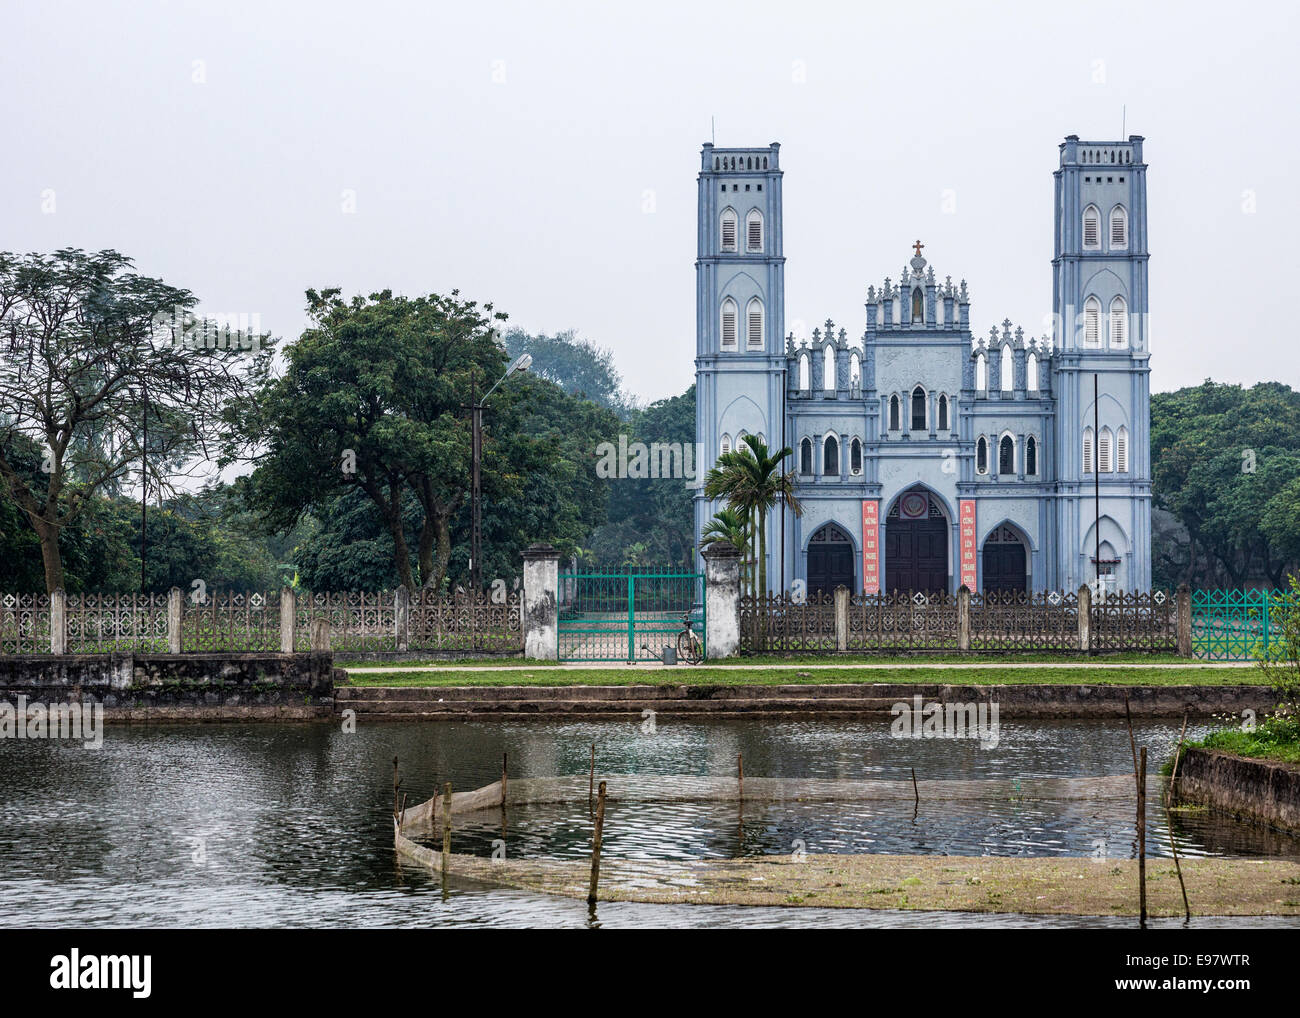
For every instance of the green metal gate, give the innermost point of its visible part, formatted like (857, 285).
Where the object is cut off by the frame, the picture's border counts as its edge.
(627, 616)
(1236, 625)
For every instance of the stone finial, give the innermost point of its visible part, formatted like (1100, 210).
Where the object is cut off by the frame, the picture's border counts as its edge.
(843, 343)
(1020, 337)
(929, 276)
(993, 335)
(830, 328)
(816, 335)
(965, 299)
(871, 294)
(1006, 329)
(789, 344)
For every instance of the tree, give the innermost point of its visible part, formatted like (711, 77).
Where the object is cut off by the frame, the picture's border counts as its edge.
(728, 526)
(103, 369)
(752, 481)
(578, 366)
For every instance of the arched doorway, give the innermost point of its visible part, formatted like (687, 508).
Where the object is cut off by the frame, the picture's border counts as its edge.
(1006, 561)
(830, 560)
(916, 544)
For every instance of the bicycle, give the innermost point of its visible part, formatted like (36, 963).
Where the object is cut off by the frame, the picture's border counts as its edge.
(689, 648)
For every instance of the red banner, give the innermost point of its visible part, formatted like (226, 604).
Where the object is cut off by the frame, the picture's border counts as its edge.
(968, 543)
(870, 546)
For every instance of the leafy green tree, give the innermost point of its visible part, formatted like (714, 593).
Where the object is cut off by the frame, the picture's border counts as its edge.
(578, 366)
(101, 371)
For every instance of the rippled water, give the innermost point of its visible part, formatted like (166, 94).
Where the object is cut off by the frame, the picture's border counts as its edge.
(269, 825)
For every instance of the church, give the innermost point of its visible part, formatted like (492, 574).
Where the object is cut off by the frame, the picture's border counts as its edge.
(926, 458)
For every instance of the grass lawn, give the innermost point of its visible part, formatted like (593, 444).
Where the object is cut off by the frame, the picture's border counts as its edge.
(1275, 738)
(1191, 675)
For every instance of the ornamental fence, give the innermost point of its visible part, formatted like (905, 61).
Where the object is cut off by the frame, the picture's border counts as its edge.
(965, 623)
(390, 621)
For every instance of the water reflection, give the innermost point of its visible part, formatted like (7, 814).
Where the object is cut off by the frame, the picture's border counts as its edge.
(268, 825)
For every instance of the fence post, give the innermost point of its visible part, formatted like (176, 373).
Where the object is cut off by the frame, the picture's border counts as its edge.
(841, 618)
(963, 619)
(59, 622)
(722, 600)
(1183, 624)
(175, 606)
(1085, 619)
(320, 635)
(288, 618)
(541, 610)
(402, 616)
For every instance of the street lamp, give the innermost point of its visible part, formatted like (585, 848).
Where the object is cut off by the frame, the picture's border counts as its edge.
(521, 363)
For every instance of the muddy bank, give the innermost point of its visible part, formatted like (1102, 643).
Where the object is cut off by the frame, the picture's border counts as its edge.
(1262, 791)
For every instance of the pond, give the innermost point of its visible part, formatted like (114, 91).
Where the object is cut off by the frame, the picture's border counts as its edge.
(289, 825)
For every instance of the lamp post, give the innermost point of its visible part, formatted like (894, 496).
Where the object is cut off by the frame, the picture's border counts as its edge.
(521, 363)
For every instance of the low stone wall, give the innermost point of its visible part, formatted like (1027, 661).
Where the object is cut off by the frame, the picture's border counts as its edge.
(1014, 701)
(1260, 790)
(177, 686)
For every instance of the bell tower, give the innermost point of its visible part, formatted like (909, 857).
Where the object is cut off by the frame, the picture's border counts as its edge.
(1101, 340)
(739, 309)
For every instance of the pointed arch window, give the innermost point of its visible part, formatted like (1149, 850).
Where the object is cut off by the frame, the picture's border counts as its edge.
(943, 413)
(1118, 228)
(855, 457)
(728, 324)
(1008, 368)
(1121, 450)
(1087, 451)
(754, 231)
(805, 456)
(982, 455)
(1031, 456)
(855, 371)
(1031, 372)
(1119, 322)
(1091, 229)
(918, 305)
(894, 422)
(831, 455)
(754, 319)
(1092, 322)
(728, 229)
(1007, 455)
(918, 410)
(829, 381)
(1104, 445)
(724, 446)
(981, 373)
(804, 375)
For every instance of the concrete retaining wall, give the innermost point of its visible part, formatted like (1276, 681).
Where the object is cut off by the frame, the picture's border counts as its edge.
(177, 686)
(1258, 790)
(1017, 701)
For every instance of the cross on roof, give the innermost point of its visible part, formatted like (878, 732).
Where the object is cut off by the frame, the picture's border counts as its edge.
(918, 245)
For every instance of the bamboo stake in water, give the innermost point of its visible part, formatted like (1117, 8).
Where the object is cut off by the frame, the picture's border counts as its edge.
(740, 772)
(915, 791)
(396, 783)
(1142, 833)
(505, 760)
(591, 777)
(596, 835)
(1169, 819)
(446, 825)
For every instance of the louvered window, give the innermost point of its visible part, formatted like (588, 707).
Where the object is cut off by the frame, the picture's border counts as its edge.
(1118, 322)
(754, 231)
(1118, 227)
(1087, 450)
(728, 324)
(1121, 451)
(1103, 451)
(1091, 227)
(1092, 322)
(755, 316)
(729, 230)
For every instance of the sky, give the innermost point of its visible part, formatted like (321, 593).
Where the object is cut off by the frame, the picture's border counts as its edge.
(543, 156)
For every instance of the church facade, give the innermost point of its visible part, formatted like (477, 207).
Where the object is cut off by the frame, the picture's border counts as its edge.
(926, 458)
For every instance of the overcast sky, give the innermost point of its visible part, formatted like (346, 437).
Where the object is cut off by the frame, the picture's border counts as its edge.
(543, 156)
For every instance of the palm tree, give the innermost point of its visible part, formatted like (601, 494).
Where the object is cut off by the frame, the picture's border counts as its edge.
(753, 483)
(729, 526)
